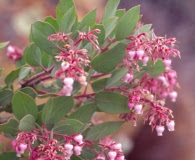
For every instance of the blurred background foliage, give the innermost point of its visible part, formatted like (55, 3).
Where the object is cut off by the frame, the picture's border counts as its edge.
(173, 18)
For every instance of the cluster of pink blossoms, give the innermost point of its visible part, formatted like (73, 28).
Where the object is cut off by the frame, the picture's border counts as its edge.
(72, 59)
(48, 149)
(141, 48)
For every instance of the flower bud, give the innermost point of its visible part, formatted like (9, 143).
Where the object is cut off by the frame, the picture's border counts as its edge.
(140, 53)
(65, 65)
(77, 150)
(160, 130)
(138, 108)
(116, 146)
(171, 125)
(120, 158)
(130, 105)
(112, 155)
(145, 60)
(173, 96)
(68, 81)
(82, 80)
(67, 90)
(131, 54)
(68, 147)
(79, 138)
(167, 63)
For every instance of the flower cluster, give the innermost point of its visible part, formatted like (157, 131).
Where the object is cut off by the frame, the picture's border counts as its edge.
(14, 53)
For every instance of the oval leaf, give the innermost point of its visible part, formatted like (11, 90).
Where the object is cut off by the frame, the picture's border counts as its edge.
(23, 104)
(111, 102)
(23, 73)
(99, 85)
(116, 76)
(29, 91)
(3, 44)
(6, 97)
(56, 108)
(107, 61)
(101, 130)
(127, 23)
(40, 31)
(69, 127)
(27, 123)
(11, 127)
(109, 25)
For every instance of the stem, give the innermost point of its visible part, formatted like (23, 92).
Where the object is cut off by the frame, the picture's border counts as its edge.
(84, 95)
(98, 75)
(108, 45)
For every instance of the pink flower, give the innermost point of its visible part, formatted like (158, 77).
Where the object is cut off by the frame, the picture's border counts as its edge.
(112, 155)
(160, 130)
(138, 108)
(173, 96)
(77, 150)
(79, 139)
(14, 53)
(171, 125)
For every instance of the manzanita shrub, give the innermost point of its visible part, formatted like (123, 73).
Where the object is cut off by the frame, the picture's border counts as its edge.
(117, 66)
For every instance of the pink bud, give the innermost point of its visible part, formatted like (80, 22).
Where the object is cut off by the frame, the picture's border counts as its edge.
(167, 63)
(120, 158)
(145, 60)
(173, 96)
(140, 53)
(82, 80)
(160, 130)
(79, 139)
(20, 149)
(10, 49)
(130, 105)
(112, 155)
(77, 150)
(163, 80)
(65, 65)
(100, 157)
(138, 108)
(67, 90)
(132, 54)
(171, 125)
(117, 146)
(128, 78)
(68, 81)
(68, 147)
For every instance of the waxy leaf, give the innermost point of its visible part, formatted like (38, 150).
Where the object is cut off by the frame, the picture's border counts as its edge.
(99, 85)
(88, 21)
(101, 35)
(69, 127)
(68, 21)
(110, 9)
(28, 90)
(53, 22)
(127, 23)
(120, 13)
(40, 32)
(109, 25)
(27, 123)
(9, 156)
(24, 73)
(63, 7)
(107, 61)
(6, 97)
(145, 28)
(56, 108)
(33, 55)
(116, 76)
(101, 130)
(84, 113)
(23, 104)
(3, 44)
(111, 102)
(47, 60)
(11, 127)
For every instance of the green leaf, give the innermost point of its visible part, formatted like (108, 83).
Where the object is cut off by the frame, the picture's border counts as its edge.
(23, 104)
(69, 127)
(6, 97)
(104, 129)
(53, 22)
(62, 7)
(68, 20)
(12, 76)
(107, 61)
(29, 91)
(116, 76)
(9, 156)
(47, 60)
(109, 25)
(120, 13)
(33, 55)
(145, 28)
(10, 127)
(84, 113)
(110, 9)
(74, 157)
(3, 44)
(127, 23)
(87, 21)
(155, 69)
(99, 85)
(88, 153)
(24, 73)
(27, 123)
(111, 102)
(40, 33)
(56, 108)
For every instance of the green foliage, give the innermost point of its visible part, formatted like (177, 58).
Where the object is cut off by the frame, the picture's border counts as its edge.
(23, 104)
(3, 44)
(11, 126)
(99, 85)
(56, 108)
(101, 130)
(27, 123)
(5, 97)
(107, 61)
(111, 102)
(9, 156)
